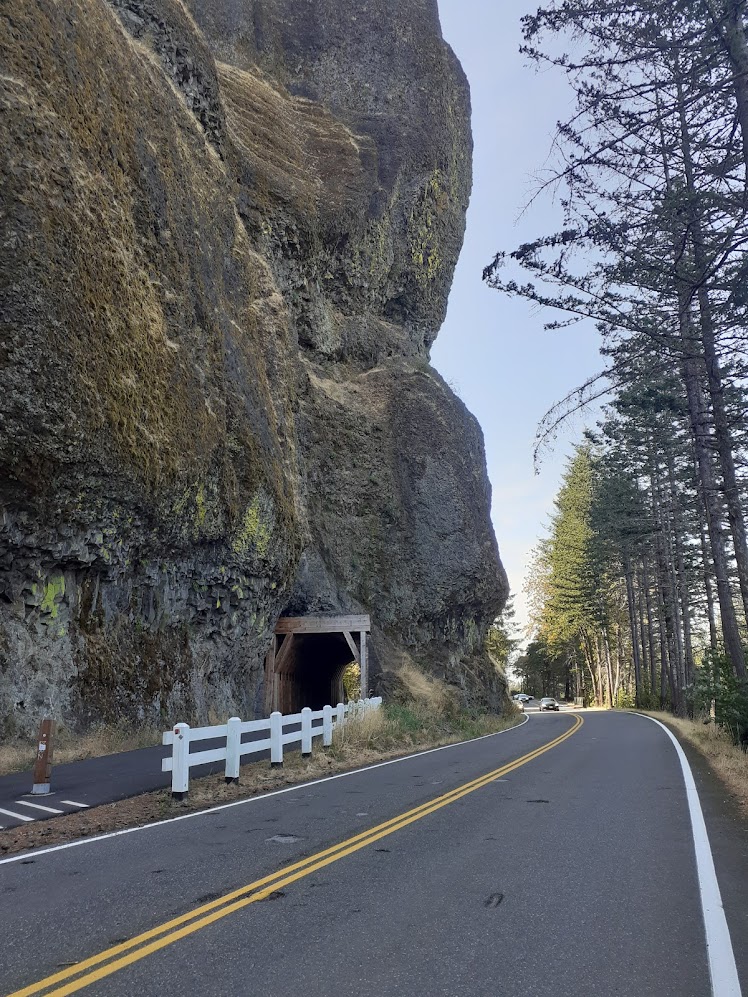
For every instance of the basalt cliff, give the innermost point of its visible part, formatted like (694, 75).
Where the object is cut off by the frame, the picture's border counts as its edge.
(228, 230)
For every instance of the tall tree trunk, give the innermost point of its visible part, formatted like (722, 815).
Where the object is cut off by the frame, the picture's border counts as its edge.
(713, 642)
(645, 667)
(680, 565)
(667, 641)
(578, 675)
(677, 656)
(630, 600)
(710, 495)
(651, 633)
(590, 661)
(691, 365)
(691, 373)
(713, 513)
(619, 663)
(667, 587)
(721, 426)
(608, 666)
(664, 652)
(603, 676)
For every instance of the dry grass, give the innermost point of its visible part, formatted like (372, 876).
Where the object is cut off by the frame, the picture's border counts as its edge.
(421, 687)
(18, 755)
(401, 727)
(726, 759)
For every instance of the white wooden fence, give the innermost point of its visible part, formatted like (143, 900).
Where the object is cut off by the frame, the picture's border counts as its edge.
(181, 736)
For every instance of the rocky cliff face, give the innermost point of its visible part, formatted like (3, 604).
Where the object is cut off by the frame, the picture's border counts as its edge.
(228, 233)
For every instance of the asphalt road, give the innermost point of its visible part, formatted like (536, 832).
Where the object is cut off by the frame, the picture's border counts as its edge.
(569, 873)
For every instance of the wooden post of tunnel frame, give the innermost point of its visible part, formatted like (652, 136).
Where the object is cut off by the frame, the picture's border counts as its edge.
(364, 664)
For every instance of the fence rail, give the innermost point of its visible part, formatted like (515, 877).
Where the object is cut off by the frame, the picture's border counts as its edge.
(310, 723)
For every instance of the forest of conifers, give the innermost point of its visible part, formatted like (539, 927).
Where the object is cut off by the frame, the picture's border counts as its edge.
(640, 591)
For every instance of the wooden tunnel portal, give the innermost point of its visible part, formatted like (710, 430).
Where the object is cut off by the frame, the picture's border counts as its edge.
(307, 658)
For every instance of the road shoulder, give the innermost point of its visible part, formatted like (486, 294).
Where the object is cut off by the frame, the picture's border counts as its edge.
(727, 827)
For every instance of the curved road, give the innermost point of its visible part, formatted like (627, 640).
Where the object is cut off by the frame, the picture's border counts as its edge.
(553, 859)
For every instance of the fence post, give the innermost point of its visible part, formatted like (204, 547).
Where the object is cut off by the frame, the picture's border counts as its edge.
(276, 740)
(339, 715)
(327, 726)
(233, 749)
(180, 756)
(306, 732)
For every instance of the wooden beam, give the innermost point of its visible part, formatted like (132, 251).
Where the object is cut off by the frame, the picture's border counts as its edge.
(352, 644)
(322, 624)
(364, 662)
(270, 683)
(283, 653)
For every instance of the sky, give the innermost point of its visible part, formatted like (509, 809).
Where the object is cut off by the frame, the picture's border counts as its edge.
(492, 350)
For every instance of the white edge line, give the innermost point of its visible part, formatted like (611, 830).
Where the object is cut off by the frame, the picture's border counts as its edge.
(722, 968)
(252, 799)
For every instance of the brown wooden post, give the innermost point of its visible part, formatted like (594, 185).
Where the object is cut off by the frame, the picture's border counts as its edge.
(364, 663)
(43, 764)
(271, 681)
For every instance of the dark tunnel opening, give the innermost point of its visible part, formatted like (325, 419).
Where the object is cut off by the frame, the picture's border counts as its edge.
(312, 673)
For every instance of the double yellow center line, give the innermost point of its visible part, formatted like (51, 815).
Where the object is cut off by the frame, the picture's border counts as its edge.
(117, 957)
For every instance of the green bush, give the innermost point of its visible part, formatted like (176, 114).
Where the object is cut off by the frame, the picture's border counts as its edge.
(625, 700)
(716, 689)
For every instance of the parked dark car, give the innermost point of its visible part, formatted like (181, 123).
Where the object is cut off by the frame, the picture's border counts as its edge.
(547, 703)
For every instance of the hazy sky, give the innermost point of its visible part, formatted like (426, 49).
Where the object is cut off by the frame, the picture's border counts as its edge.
(492, 350)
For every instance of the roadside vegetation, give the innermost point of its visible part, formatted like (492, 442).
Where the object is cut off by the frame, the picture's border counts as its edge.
(640, 590)
(399, 727)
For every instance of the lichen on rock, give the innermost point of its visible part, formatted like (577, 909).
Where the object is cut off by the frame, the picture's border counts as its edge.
(229, 232)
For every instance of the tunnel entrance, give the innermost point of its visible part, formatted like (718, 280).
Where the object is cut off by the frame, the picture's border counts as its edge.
(306, 661)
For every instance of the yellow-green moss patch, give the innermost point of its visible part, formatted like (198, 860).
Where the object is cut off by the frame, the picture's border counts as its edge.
(255, 532)
(54, 590)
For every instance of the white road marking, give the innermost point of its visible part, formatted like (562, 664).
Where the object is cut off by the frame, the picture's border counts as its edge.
(251, 799)
(10, 813)
(72, 803)
(38, 806)
(722, 968)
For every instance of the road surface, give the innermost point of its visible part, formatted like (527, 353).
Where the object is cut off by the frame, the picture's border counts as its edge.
(553, 859)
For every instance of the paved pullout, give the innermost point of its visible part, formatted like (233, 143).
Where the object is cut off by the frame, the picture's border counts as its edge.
(106, 779)
(573, 875)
